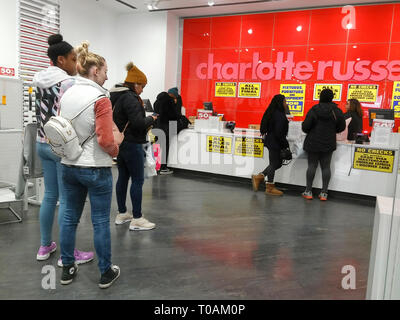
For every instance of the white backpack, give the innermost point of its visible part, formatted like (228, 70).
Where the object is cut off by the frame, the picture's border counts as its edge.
(62, 136)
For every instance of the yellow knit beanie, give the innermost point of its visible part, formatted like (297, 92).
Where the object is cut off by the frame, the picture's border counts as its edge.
(134, 74)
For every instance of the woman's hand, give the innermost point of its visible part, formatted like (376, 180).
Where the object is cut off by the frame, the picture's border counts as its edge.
(118, 136)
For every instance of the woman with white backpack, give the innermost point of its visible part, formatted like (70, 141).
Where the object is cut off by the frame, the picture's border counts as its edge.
(90, 173)
(50, 85)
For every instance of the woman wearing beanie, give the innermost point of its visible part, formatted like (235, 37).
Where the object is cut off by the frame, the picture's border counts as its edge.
(174, 93)
(50, 85)
(321, 124)
(89, 174)
(275, 125)
(129, 113)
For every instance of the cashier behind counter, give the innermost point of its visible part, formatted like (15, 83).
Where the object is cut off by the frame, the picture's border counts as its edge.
(354, 121)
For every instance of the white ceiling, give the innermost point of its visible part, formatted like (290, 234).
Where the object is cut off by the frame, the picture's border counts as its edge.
(271, 5)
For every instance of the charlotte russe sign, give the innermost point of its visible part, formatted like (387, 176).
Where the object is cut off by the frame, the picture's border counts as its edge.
(284, 67)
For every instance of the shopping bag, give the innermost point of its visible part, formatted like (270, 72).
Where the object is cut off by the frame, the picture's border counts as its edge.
(149, 161)
(157, 155)
(297, 149)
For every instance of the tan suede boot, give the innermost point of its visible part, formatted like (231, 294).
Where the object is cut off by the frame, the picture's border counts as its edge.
(256, 180)
(271, 190)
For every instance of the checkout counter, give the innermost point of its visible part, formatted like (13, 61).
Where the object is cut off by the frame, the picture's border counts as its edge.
(365, 169)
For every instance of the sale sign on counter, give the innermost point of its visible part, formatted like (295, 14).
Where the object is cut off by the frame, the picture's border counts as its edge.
(219, 144)
(4, 71)
(373, 159)
(204, 114)
(249, 147)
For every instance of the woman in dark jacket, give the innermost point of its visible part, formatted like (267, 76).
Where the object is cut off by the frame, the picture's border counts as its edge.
(129, 112)
(322, 123)
(165, 106)
(354, 111)
(274, 125)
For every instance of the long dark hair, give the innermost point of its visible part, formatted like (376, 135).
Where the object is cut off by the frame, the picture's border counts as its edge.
(276, 104)
(355, 106)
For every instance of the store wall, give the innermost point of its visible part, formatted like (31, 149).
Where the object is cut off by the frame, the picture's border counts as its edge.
(9, 35)
(142, 38)
(84, 20)
(235, 45)
(172, 52)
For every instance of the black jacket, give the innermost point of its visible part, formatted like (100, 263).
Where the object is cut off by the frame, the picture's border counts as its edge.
(165, 106)
(276, 131)
(355, 125)
(128, 106)
(321, 124)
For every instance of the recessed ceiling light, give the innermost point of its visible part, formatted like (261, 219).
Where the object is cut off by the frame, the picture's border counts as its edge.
(299, 28)
(211, 3)
(250, 31)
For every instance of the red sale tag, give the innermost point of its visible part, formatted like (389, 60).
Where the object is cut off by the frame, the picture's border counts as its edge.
(4, 71)
(203, 114)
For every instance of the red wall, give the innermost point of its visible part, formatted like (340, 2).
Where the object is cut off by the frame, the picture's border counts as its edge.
(322, 38)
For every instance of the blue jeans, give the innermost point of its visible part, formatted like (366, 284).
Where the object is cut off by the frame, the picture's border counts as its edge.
(53, 191)
(78, 182)
(130, 165)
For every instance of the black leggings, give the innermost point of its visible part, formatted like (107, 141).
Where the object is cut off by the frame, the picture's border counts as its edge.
(275, 162)
(324, 159)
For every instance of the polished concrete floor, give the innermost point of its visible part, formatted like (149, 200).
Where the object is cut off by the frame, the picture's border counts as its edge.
(215, 239)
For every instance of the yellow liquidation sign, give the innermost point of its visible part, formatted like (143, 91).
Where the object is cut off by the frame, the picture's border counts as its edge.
(219, 144)
(249, 147)
(363, 92)
(336, 88)
(249, 90)
(380, 160)
(225, 89)
(295, 95)
(396, 99)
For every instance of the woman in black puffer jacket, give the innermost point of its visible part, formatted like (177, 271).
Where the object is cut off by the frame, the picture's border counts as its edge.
(274, 125)
(322, 123)
(129, 114)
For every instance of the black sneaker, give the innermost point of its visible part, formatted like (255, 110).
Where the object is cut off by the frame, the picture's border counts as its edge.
(166, 171)
(108, 277)
(68, 274)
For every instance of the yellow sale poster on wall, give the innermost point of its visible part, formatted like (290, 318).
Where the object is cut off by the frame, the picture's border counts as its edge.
(295, 95)
(396, 99)
(225, 89)
(249, 147)
(336, 88)
(363, 92)
(373, 159)
(249, 89)
(219, 144)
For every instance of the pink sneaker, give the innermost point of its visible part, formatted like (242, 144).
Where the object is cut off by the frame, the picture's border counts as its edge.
(45, 251)
(80, 257)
